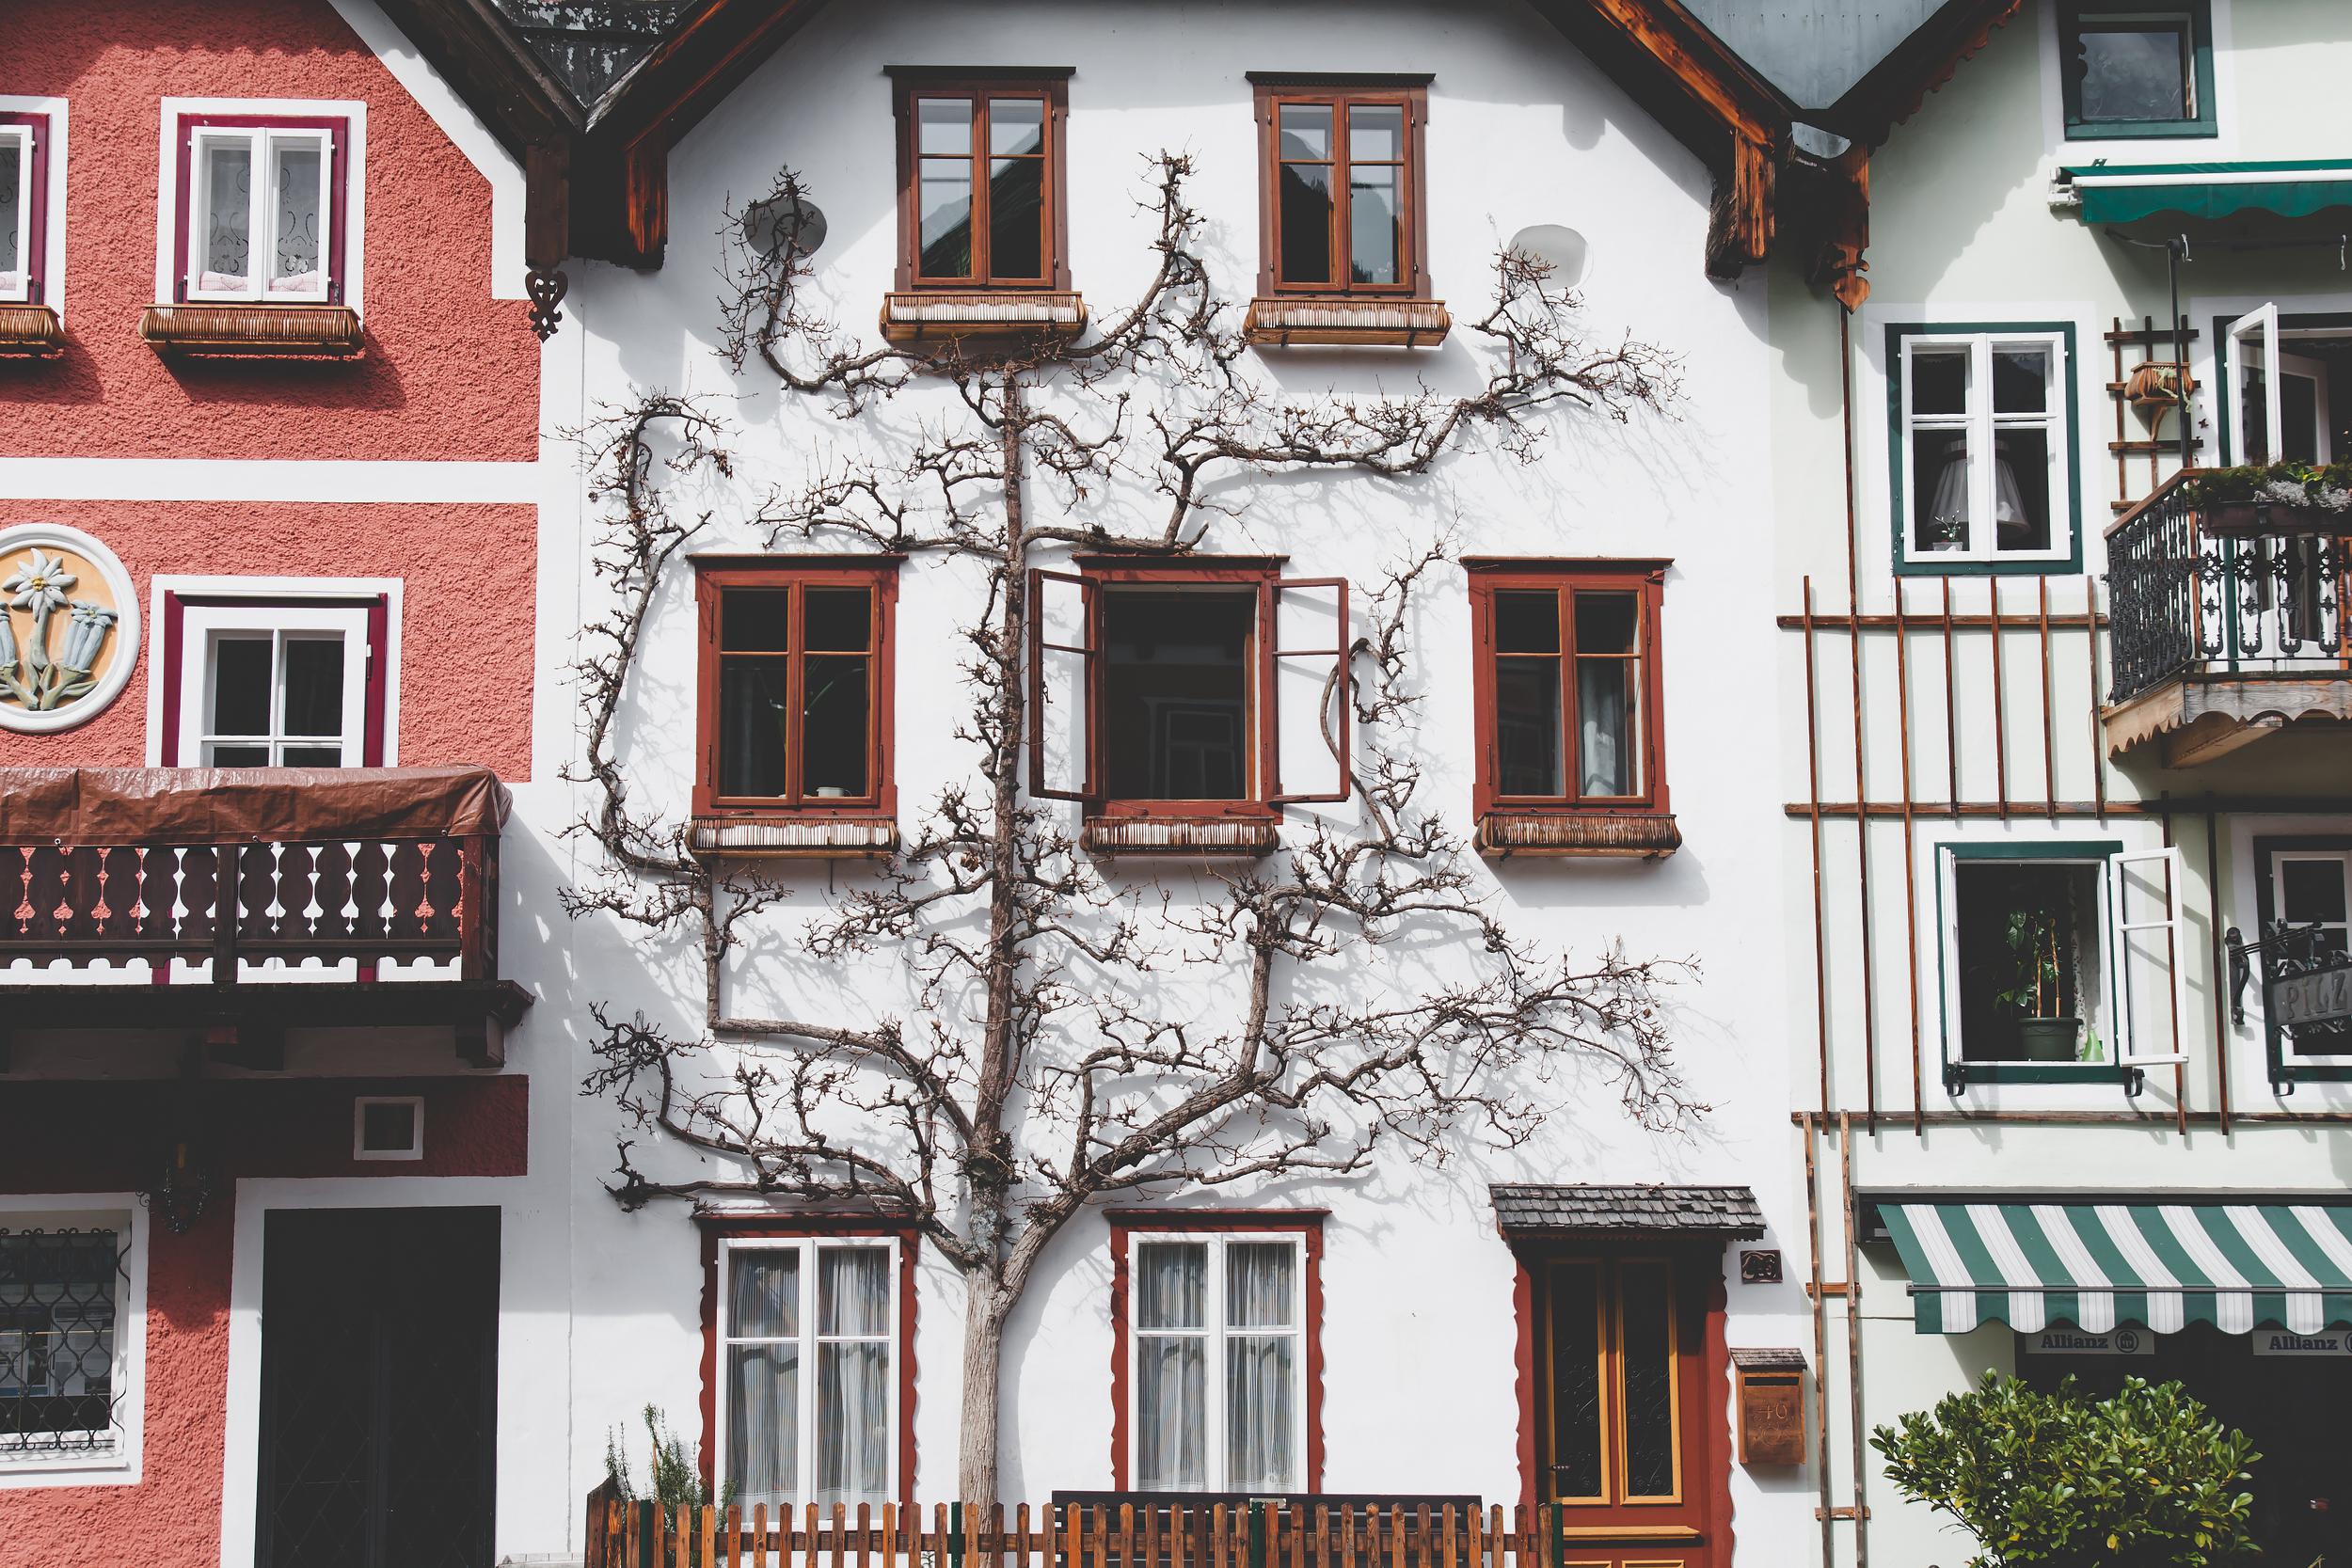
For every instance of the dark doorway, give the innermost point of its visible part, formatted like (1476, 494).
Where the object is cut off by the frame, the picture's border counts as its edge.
(380, 1376)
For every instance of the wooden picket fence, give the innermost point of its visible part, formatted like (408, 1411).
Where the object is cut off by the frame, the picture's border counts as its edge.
(1157, 1533)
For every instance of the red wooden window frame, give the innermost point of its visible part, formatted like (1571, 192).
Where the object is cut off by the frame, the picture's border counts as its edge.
(1052, 84)
(1702, 1403)
(36, 199)
(1126, 1224)
(1096, 574)
(175, 653)
(1645, 578)
(337, 129)
(1341, 93)
(820, 1227)
(713, 577)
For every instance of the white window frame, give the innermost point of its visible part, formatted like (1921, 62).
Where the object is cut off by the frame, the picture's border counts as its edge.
(2130, 1036)
(173, 261)
(52, 114)
(2257, 327)
(1946, 865)
(162, 587)
(81, 1210)
(201, 625)
(1980, 421)
(1215, 1332)
(361, 1104)
(262, 144)
(807, 1339)
(16, 141)
(2270, 871)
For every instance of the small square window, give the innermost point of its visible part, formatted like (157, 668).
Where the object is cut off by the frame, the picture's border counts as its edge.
(981, 168)
(2133, 71)
(387, 1127)
(263, 207)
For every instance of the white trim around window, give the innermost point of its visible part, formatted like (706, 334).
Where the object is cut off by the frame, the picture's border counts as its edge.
(1220, 1339)
(171, 257)
(51, 198)
(164, 585)
(284, 631)
(1992, 489)
(122, 1464)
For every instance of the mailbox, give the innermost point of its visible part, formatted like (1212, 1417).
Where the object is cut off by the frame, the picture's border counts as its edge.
(1771, 1388)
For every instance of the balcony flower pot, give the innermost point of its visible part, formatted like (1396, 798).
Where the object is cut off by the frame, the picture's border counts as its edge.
(2048, 1039)
(2280, 498)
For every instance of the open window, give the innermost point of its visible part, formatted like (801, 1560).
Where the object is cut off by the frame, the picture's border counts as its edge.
(1983, 460)
(276, 681)
(2131, 69)
(1202, 690)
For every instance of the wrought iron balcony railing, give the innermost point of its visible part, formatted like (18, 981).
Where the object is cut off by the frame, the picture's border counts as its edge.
(2252, 591)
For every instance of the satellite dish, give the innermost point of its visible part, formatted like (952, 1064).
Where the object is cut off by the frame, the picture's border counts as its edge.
(1565, 250)
(767, 223)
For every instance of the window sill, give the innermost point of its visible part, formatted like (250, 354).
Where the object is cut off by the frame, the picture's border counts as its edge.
(1221, 838)
(1960, 1075)
(311, 331)
(30, 332)
(1289, 322)
(982, 315)
(1601, 834)
(784, 835)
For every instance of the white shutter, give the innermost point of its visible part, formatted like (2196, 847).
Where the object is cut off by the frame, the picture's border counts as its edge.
(2151, 957)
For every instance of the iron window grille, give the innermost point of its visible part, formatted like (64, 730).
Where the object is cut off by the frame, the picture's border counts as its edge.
(61, 1383)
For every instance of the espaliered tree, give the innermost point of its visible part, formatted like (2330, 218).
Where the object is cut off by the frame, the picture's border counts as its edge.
(1067, 1038)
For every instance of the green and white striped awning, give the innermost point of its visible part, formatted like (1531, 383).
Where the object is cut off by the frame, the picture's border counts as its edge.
(2125, 193)
(2095, 1265)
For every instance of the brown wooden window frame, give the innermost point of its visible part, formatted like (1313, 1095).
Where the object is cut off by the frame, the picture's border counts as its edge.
(1049, 83)
(1092, 577)
(1644, 578)
(1342, 93)
(713, 577)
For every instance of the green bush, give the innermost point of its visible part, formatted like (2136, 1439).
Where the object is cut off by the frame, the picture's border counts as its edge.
(2327, 488)
(2143, 1479)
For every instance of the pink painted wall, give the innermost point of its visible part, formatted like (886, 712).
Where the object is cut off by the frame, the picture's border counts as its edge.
(450, 373)
(466, 621)
(51, 1140)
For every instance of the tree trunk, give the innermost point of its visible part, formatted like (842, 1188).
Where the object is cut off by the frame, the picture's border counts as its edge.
(985, 1306)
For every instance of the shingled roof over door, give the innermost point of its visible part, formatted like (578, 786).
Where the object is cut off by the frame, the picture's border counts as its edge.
(1524, 1208)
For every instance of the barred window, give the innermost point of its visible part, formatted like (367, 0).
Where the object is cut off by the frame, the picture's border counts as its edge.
(59, 1386)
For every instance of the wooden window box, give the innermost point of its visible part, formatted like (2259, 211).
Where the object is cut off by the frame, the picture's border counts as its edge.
(788, 837)
(30, 332)
(1280, 321)
(1646, 836)
(1189, 837)
(272, 331)
(983, 315)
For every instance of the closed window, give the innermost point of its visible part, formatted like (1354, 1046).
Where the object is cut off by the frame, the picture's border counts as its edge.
(62, 1373)
(1568, 684)
(794, 703)
(2137, 70)
(2305, 919)
(1985, 457)
(1216, 1375)
(275, 681)
(809, 1350)
(264, 206)
(1341, 175)
(24, 216)
(980, 166)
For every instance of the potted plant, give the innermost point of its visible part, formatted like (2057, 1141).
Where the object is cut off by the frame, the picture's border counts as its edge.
(2275, 498)
(2035, 990)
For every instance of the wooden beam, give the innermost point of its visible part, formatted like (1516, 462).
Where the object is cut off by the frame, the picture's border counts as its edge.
(1740, 220)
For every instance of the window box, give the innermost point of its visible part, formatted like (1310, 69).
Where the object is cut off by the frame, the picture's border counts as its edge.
(1216, 1318)
(262, 331)
(991, 317)
(1981, 448)
(2130, 71)
(1342, 219)
(30, 332)
(794, 714)
(1571, 751)
(1157, 692)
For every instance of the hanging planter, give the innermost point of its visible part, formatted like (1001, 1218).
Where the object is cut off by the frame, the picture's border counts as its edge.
(2279, 497)
(2157, 386)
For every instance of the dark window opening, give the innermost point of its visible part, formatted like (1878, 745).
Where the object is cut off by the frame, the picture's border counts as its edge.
(1570, 694)
(1177, 669)
(2028, 943)
(796, 694)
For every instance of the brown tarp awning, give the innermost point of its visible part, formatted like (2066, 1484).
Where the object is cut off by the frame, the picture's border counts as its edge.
(222, 805)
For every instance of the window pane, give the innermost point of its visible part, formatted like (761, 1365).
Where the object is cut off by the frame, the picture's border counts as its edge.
(1646, 1330)
(1016, 218)
(1305, 132)
(308, 756)
(764, 1298)
(853, 1290)
(11, 209)
(57, 1342)
(2020, 380)
(943, 126)
(1261, 1284)
(2021, 488)
(228, 214)
(1939, 381)
(2137, 70)
(314, 685)
(1176, 674)
(240, 685)
(1376, 133)
(852, 1422)
(295, 265)
(1375, 223)
(763, 1423)
(1171, 1416)
(1575, 1381)
(1528, 758)
(1608, 623)
(840, 620)
(1939, 490)
(1608, 741)
(1016, 126)
(1527, 623)
(1258, 1413)
(944, 198)
(2030, 952)
(834, 733)
(2311, 890)
(1305, 222)
(754, 725)
(1171, 1284)
(757, 619)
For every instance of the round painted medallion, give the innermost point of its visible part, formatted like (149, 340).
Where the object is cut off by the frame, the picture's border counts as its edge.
(68, 627)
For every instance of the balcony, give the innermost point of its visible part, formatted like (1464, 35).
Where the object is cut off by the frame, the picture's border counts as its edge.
(2227, 617)
(231, 904)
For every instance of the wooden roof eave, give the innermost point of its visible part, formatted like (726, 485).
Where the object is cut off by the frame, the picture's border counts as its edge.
(1892, 89)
